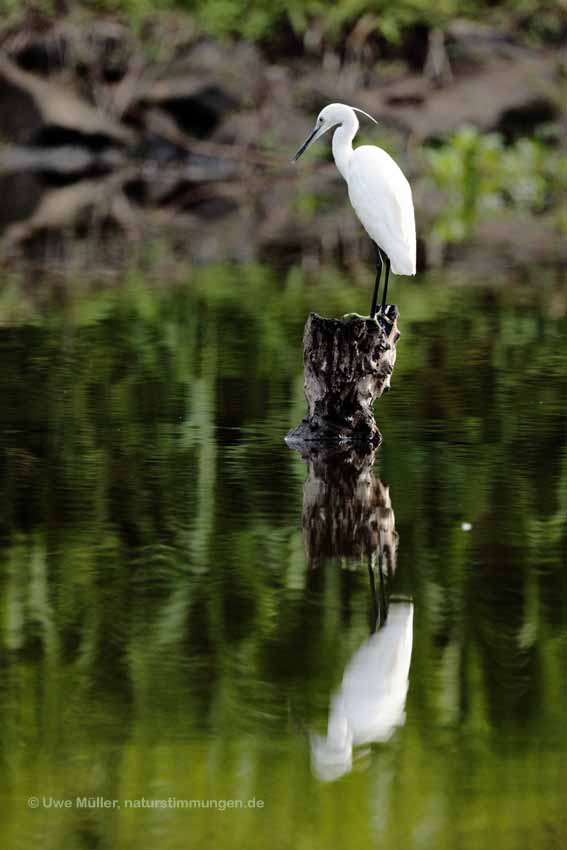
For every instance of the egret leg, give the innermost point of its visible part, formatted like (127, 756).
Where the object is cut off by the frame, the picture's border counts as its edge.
(377, 284)
(387, 277)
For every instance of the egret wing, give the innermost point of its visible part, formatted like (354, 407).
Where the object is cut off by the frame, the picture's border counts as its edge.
(382, 198)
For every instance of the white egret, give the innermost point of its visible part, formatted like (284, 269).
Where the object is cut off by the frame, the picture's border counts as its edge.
(378, 190)
(370, 703)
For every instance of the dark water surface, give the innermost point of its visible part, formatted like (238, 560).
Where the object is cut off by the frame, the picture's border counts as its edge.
(178, 610)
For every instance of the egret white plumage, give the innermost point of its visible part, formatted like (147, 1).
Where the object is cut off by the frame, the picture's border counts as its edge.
(378, 190)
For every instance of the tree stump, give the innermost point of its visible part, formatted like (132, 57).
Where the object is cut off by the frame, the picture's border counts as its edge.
(348, 364)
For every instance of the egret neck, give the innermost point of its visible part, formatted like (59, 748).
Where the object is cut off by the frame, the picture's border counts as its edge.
(342, 142)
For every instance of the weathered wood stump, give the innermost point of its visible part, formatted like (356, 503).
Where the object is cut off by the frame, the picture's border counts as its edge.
(348, 364)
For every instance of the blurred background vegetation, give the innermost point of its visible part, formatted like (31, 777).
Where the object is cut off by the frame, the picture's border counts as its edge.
(260, 20)
(196, 107)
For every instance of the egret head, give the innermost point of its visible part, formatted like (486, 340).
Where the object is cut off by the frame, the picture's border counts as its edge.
(331, 116)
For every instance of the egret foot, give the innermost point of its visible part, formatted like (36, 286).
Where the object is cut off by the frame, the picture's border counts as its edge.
(382, 314)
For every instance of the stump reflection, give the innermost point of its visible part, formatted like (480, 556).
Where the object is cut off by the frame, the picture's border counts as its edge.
(347, 512)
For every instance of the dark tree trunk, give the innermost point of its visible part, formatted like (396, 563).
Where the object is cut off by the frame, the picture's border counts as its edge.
(348, 364)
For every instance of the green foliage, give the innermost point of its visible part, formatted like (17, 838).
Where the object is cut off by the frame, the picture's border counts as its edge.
(260, 19)
(481, 176)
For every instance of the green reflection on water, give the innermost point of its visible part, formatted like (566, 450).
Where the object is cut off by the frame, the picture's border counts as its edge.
(161, 635)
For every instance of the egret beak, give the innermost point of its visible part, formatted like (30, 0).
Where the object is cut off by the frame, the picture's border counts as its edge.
(312, 137)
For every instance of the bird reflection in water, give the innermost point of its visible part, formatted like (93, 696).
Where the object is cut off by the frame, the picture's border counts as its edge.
(370, 703)
(346, 512)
